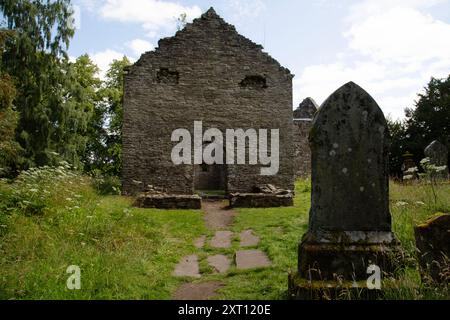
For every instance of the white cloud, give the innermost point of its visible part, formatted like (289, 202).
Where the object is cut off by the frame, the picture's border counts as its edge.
(401, 35)
(363, 9)
(103, 60)
(246, 9)
(392, 91)
(394, 48)
(153, 15)
(139, 46)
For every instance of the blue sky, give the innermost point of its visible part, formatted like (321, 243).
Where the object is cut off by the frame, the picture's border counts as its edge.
(389, 47)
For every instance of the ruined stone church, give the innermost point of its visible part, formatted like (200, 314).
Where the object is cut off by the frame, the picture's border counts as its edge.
(206, 72)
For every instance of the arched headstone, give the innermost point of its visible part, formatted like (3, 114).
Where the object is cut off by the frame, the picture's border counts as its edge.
(350, 221)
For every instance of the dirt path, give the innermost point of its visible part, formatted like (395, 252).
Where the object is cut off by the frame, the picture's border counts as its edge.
(218, 219)
(217, 215)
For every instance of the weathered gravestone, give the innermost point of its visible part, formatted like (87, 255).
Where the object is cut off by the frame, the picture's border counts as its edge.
(438, 155)
(409, 167)
(350, 222)
(433, 245)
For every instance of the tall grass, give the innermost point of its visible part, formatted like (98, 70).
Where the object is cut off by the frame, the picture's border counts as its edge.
(53, 218)
(412, 204)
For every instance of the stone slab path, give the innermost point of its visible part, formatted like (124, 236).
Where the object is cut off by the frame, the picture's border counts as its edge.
(249, 259)
(187, 267)
(222, 239)
(219, 263)
(200, 242)
(248, 239)
(197, 291)
(219, 219)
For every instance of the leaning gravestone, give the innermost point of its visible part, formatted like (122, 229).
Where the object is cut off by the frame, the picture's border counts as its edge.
(349, 222)
(438, 155)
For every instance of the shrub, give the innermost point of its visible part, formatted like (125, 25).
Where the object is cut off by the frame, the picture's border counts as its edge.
(105, 184)
(38, 190)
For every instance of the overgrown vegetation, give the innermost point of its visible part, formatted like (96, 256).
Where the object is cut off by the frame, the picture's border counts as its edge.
(52, 218)
(53, 109)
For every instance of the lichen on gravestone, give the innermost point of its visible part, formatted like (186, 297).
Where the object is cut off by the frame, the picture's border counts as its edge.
(349, 144)
(349, 221)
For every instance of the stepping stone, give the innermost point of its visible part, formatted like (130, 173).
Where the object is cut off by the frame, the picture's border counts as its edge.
(222, 239)
(248, 239)
(217, 216)
(220, 263)
(188, 267)
(197, 291)
(200, 242)
(249, 259)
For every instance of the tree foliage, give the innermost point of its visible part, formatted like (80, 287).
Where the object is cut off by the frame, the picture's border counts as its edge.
(10, 151)
(105, 143)
(64, 111)
(397, 130)
(428, 121)
(35, 57)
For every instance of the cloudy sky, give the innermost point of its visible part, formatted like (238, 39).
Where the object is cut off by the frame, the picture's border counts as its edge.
(389, 47)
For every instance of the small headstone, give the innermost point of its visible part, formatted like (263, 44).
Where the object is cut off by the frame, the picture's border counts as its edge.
(250, 259)
(306, 110)
(248, 239)
(220, 263)
(222, 239)
(349, 220)
(438, 155)
(187, 267)
(409, 167)
(433, 244)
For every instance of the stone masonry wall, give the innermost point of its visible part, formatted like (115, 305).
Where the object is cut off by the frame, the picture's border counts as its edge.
(206, 72)
(302, 157)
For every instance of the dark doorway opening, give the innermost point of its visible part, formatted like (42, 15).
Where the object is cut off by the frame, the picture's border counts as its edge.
(210, 179)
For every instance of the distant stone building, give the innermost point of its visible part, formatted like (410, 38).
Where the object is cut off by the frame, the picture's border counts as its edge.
(207, 72)
(306, 110)
(303, 117)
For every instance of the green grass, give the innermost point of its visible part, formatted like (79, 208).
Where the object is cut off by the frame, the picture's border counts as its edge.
(280, 230)
(129, 253)
(413, 204)
(123, 252)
